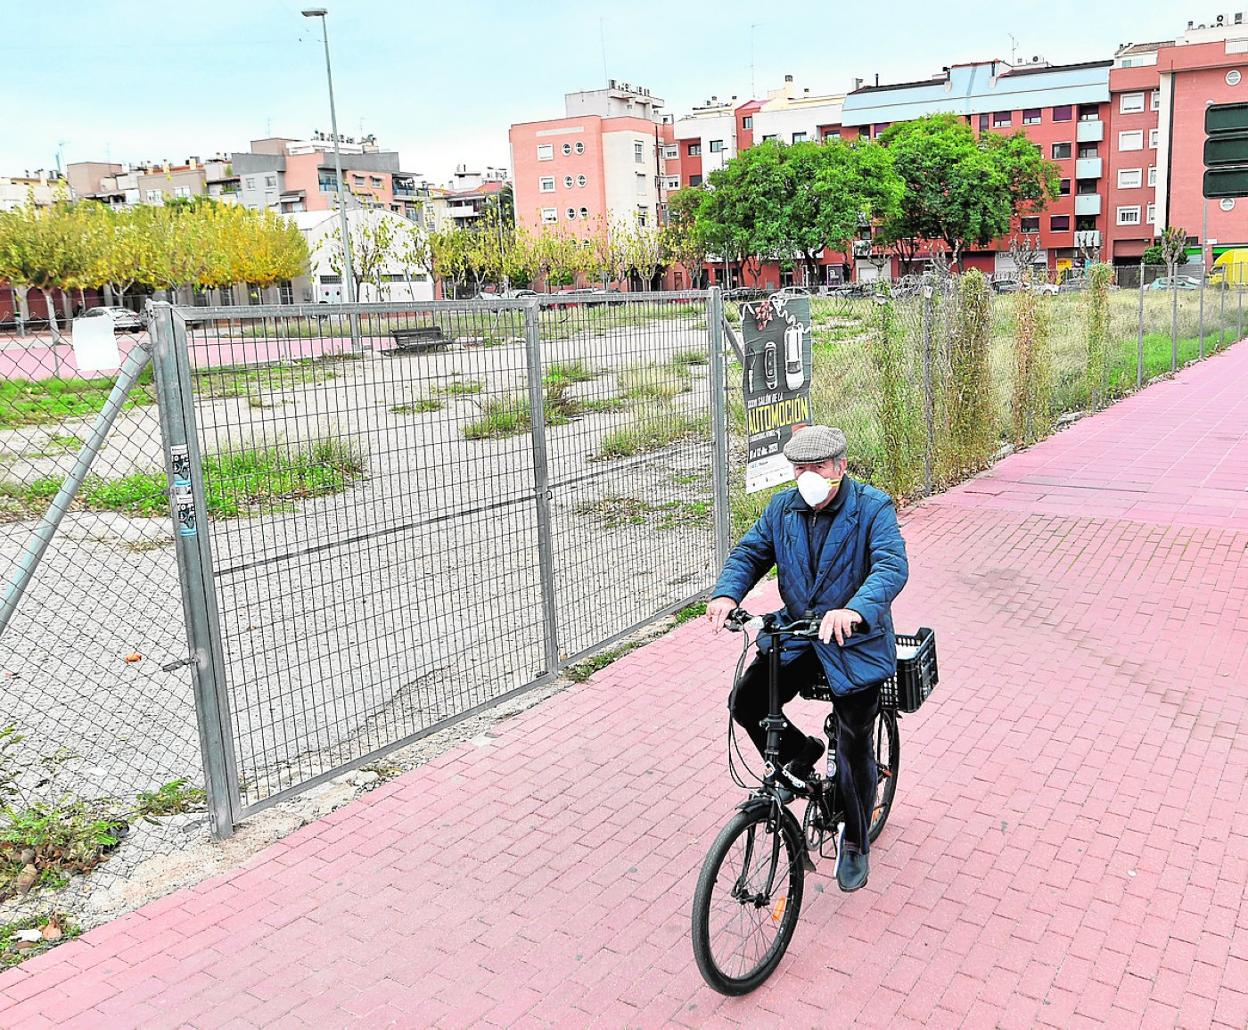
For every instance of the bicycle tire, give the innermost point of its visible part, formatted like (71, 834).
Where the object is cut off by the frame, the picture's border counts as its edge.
(888, 764)
(787, 853)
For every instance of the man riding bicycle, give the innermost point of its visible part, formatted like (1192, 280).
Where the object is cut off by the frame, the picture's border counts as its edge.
(839, 555)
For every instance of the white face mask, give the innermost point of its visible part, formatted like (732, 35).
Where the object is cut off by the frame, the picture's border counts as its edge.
(813, 488)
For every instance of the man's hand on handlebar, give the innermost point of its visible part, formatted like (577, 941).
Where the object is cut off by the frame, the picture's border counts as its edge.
(717, 611)
(839, 623)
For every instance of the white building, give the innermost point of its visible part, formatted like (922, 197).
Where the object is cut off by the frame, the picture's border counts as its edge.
(791, 116)
(399, 281)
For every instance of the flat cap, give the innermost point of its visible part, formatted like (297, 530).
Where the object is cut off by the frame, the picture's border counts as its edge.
(813, 444)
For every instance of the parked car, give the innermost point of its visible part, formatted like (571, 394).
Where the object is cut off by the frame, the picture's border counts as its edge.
(744, 293)
(1178, 282)
(792, 291)
(1006, 285)
(124, 320)
(505, 294)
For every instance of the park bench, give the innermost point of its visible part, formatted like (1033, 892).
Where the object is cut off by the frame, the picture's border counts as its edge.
(419, 338)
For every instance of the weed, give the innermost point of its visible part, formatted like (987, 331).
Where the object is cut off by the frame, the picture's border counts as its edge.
(67, 836)
(686, 358)
(654, 382)
(654, 427)
(581, 671)
(690, 612)
(53, 927)
(172, 798)
(38, 402)
(568, 372)
(417, 407)
(461, 386)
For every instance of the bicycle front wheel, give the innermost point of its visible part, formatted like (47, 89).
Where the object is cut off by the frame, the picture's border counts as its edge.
(748, 898)
(888, 765)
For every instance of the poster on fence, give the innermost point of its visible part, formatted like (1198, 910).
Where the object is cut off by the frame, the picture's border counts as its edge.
(775, 339)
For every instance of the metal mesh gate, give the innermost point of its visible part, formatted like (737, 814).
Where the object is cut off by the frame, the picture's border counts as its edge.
(414, 511)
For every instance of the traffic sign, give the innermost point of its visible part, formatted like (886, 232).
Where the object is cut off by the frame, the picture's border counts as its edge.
(1227, 148)
(1226, 118)
(1226, 151)
(1226, 182)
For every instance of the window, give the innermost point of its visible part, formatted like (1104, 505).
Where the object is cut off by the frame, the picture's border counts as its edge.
(639, 152)
(1088, 150)
(1063, 113)
(671, 152)
(1152, 175)
(1130, 103)
(641, 184)
(1031, 116)
(155, 197)
(549, 214)
(327, 181)
(545, 151)
(983, 123)
(1154, 100)
(584, 212)
(1129, 178)
(695, 149)
(580, 148)
(358, 180)
(717, 146)
(1064, 188)
(571, 213)
(567, 182)
(1152, 138)
(1000, 118)
(1151, 213)
(270, 181)
(695, 180)
(1059, 223)
(1029, 224)
(673, 183)
(249, 183)
(766, 138)
(1133, 140)
(581, 180)
(799, 137)
(374, 182)
(747, 122)
(567, 149)
(1085, 188)
(1129, 215)
(181, 191)
(1089, 112)
(546, 184)
(1061, 151)
(641, 215)
(831, 134)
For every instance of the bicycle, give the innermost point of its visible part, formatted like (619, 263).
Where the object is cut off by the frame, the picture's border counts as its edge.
(764, 849)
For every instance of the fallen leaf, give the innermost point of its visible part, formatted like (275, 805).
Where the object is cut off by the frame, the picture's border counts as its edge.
(130, 659)
(26, 878)
(28, 936)
(52, 932)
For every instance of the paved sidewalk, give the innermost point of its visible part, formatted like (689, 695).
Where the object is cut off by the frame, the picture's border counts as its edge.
(1069, 847)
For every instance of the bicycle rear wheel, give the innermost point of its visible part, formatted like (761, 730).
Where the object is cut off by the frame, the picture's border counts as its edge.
(748, 898)
(888, 763)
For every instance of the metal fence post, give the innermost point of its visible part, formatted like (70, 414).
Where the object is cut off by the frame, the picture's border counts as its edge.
(541, 482)
(1239, 316)
(1174, 327)
(1139, 347)
(1202, 318)
(929, 401)
(719, 425)
(184, 468)
(1221, 315)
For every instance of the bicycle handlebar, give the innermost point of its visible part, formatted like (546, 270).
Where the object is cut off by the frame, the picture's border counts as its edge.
(806, 627)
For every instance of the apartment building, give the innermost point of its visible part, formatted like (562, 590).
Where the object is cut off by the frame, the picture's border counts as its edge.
(123, 185)
(605, 161)
(44, 187)
(1160, 91)
(1062, 108)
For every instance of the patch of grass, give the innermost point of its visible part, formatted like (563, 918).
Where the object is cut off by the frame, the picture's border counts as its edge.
(236, 484)
(65, 836)
(172, 798)
(568, 372)
(255, 381)
(615, 510)
(603, 404)
(457, 387)
(654, 382)
(691, 479)
(686, 358)
(13, 949)
(501, 416)
(653, 427)
(690, 612)
(419, 406)
(581, 671)
(41, 402)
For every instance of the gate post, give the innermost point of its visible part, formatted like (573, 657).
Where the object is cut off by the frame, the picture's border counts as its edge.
(541, 482)
(184, 467)
(719, 425)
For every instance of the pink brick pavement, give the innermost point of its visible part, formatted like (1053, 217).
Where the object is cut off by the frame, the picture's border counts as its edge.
(1069, 848)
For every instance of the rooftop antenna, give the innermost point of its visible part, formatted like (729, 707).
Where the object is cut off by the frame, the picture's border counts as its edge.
(1013, 49)
(602, 42)
(60, 146)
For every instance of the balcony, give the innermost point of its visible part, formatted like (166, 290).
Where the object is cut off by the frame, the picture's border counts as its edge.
(1088, 168)
(1091, 131)
(1087, 238)
(1088, 204)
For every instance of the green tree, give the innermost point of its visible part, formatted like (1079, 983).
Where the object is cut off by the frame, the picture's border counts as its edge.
(742, 214)
(959, 189)
(683, 241)
(39, 249)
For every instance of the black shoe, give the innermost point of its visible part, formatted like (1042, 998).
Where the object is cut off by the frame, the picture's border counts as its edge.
(798, 773)
(851, 870)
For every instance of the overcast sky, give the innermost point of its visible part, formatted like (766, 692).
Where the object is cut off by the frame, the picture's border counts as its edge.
(441, 82)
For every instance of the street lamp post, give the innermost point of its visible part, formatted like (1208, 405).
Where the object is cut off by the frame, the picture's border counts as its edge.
(348, 276)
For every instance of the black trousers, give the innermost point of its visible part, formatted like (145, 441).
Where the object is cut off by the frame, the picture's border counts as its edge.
(855, 720)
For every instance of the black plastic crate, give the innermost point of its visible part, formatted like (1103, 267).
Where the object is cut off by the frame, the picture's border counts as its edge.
(916, 675)
(916, 672)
